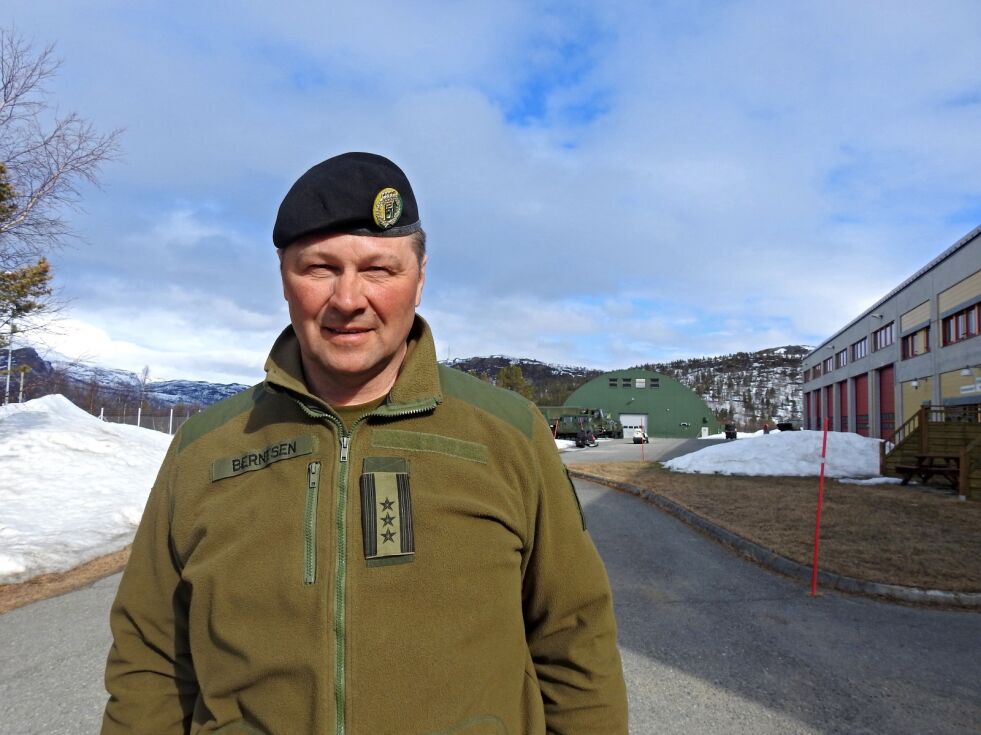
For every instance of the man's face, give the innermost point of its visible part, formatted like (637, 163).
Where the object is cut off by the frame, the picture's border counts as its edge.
(352, 300)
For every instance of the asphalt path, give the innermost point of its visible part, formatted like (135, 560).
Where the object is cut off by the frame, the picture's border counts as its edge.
(624, 450)
(710, 642)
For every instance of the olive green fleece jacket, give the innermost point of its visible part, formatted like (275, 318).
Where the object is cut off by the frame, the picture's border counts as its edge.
(426, 571)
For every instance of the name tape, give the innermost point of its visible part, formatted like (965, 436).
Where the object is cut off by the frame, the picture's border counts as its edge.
(257, 459)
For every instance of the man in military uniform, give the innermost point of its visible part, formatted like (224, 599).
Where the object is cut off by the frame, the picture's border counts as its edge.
(366, 542)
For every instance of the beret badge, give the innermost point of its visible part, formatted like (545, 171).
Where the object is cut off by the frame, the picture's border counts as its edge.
(387, 208)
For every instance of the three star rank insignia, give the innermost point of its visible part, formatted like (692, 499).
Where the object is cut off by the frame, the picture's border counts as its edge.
(386, 510)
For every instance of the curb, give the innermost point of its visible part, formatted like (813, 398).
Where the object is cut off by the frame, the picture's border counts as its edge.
(771, 560)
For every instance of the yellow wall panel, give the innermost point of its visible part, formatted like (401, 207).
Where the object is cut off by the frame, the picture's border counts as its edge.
(913, 398)
(911, 318)
(952, 383)
(967, 290)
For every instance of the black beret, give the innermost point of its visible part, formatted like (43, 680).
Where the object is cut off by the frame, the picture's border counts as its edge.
(358, 193)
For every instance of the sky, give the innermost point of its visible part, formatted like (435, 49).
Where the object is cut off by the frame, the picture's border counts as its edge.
(113, 467)
(603, 184)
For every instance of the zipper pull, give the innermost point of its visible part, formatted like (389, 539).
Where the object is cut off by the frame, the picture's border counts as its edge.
(345, 443)
(313, 475)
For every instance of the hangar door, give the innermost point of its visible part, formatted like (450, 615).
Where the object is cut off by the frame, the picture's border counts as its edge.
(887, 401)
(633, 421)
(862, 404)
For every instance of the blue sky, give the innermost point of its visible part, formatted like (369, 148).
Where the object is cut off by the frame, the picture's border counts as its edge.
(603, 184)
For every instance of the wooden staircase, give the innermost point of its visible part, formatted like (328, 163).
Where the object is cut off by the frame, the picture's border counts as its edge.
(950, 430)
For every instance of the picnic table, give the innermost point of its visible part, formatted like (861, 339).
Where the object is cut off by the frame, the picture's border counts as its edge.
(930, 465)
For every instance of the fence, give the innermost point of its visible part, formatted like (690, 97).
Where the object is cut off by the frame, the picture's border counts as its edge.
(168, 422)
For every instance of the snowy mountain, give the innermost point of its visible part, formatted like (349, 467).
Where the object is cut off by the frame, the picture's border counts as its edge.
(99, 387)
(749, 387)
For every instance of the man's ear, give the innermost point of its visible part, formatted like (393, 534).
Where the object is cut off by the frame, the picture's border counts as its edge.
(422, 279)
(282, 276)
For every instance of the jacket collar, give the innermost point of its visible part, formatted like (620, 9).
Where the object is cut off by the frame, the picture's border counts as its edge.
(416, 389)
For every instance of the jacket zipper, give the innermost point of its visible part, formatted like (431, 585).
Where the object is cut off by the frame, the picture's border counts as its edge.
(310, 524)
(340, 580)
(340, 693)
(340, 569)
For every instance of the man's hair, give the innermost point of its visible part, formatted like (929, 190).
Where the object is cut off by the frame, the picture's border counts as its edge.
(419, 243)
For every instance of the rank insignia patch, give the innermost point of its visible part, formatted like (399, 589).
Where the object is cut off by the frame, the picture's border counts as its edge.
(386, 511)
(387, 208)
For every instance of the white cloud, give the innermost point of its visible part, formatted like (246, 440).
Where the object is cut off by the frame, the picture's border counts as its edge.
(612, 184)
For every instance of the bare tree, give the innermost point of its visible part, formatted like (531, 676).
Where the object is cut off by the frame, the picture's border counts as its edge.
(46, 156)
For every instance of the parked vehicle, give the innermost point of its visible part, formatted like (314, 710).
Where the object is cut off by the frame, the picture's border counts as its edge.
(566, 421)
(640, 437)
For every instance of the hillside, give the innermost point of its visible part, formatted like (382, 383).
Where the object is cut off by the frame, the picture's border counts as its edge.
(551, 384)
(97, 388)
(749, 387)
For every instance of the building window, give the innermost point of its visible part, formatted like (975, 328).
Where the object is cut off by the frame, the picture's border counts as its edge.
(860, 349)
(626, 383)
(883, 337)
(962, 325)
(841, 359)
(640, 383)
(613, 382)
(829, 365)
(654, 383)
(816, 371)
(917, 343)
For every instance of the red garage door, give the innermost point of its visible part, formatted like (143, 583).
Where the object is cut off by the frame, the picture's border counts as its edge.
(829, 406)
(843, 406)
(887, 402)
(862, 404)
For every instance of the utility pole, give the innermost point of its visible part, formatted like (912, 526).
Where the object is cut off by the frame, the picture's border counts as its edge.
(10, 363)
(22, 369)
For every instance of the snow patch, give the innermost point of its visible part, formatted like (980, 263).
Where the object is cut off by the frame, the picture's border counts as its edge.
(72, 487)
(789, 453)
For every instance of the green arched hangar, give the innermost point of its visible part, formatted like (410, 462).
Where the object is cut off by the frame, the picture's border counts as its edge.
(641, 398)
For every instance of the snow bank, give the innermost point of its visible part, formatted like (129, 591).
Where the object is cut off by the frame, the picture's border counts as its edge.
(785, 453)
(72, 487)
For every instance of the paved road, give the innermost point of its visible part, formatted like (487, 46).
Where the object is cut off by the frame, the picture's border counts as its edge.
(711, 644)
(51, 657)
(623, 450)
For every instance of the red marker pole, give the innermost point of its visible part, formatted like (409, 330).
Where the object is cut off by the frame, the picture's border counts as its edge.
(817, 524)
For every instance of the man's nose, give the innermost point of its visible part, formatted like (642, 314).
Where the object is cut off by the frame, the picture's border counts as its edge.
(348, 293)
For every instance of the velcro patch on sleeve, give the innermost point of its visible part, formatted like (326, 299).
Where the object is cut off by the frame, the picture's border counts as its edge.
(257, 459)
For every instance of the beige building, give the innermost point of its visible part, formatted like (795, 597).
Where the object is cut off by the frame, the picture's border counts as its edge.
(919, 345)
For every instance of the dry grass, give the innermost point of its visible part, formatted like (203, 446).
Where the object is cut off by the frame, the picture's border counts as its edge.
(49, 585)
(879, 533)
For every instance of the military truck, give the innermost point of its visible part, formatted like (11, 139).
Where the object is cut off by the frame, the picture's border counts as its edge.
(566, 421)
